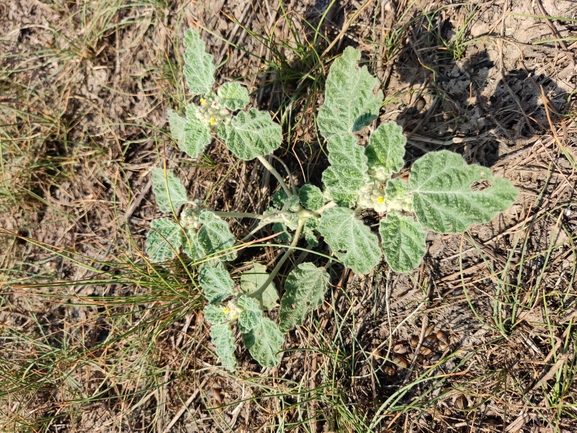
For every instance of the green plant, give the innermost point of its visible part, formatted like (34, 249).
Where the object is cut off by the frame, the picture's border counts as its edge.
(442, 194)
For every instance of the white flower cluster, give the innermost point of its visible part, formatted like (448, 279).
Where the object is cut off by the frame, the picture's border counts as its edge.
(232, 311)
(373, 196)
(211, 112)
(189, 218)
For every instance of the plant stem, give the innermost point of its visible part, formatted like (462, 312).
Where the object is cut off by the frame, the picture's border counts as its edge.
(283, 259)
(325, 207)
(238, 215)
(276, 174)
(293, 186)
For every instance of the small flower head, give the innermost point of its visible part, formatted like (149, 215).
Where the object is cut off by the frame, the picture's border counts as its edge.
(190, 219)
(372, 196)
(231, 310)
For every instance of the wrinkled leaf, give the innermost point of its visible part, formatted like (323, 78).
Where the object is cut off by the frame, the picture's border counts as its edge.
(350, 240)
(198, 65)
(223, 339)
(284, 236)
(163, 240)
(403, 241)
(250, 315)
(398, 196)
(291, 204)
(386, 150)
(449, 195)
(177, 124)
(311, 226)
(311, 238)
(168, 189)
(279, 199)
(350, 99)
(191, 134)
(264, 342)
(311, 197)
(214, 235)
(251, 134)
(348, 171)
(190, 245)
(216, 281)
(305, 289)
(214, 314)
(233, 96)
(251, 281)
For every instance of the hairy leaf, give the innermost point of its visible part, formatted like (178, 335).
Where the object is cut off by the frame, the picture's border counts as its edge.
(264, 342)
(216, 281)
(403, 241)
(350, 240)
(233, 96)
(198, 65)
(210, 235)
(177, 125)
(291, 204)
(449, 195)
(215, 314)
(348, 171)
(214, 235)
(279, 198)
(190, 245)
(251, 281)
(191, 134)
(309, 229)
(281, 228)
(350, 99)
(163, 240)
(251, 134)
(398, 196)
(223, 339)
(386, 150)
(305, 289)
(311, 238)
(168, 189)
(311, 196)
(250, 315)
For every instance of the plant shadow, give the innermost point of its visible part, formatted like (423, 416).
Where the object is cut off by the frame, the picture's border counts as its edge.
(459, 89)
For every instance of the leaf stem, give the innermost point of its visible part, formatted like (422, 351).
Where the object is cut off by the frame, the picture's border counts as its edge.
(238, 215)
(325, 207)
(280, 161)
(283, 259)
(276, 174)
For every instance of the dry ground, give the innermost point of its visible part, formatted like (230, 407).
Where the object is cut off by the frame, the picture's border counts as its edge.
(93, 339)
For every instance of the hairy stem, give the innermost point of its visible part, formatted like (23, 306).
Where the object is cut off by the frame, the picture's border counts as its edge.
(276, 174)
(280, 161)
(283, 259)
(325, 207)
(238, 215)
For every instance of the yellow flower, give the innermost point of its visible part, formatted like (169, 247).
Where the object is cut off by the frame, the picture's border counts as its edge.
(202, 101)
(380, 200)
(212, 120)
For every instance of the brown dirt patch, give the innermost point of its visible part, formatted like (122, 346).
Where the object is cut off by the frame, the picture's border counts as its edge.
(480, 338)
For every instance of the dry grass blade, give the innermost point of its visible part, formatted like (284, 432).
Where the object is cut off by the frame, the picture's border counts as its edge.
(95, 338)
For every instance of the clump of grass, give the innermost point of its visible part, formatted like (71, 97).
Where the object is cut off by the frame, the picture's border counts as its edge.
(67, 350)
